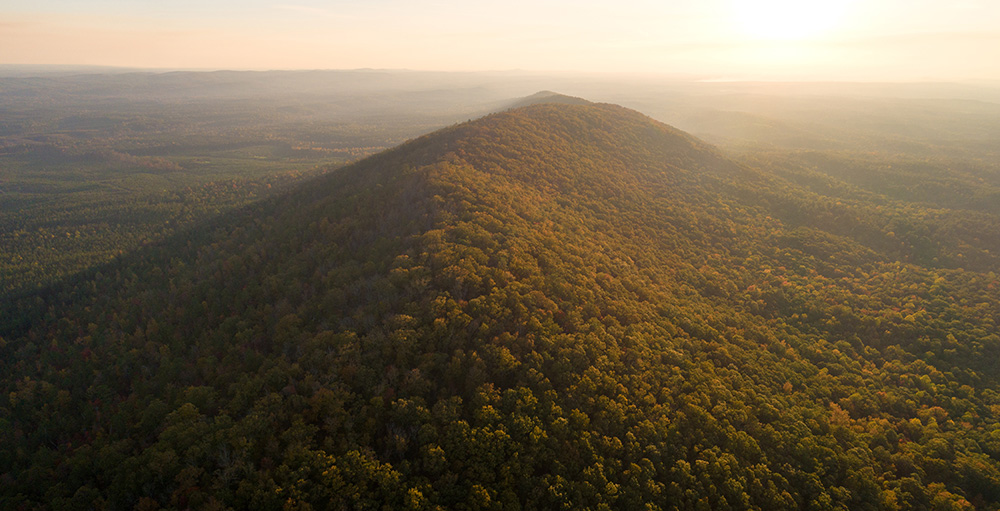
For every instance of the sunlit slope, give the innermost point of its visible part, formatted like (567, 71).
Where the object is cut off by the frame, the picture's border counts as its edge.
(559, 306)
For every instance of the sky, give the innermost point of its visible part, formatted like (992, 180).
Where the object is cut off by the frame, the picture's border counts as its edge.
(867, 40)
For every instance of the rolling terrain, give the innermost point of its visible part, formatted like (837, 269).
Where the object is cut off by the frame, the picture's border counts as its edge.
(95, 165)
(559, 306)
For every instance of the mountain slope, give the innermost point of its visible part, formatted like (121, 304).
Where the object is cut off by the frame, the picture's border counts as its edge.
(559, 306)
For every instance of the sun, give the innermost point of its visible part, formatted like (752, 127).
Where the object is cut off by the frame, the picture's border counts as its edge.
(788, 20)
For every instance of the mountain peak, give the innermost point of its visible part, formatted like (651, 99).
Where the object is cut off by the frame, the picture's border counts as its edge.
(571, 144)
(547, 96)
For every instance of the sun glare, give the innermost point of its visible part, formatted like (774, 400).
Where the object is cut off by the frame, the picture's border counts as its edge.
(786, 20)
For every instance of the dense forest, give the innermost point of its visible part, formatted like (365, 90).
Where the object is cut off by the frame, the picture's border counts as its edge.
(560, 306)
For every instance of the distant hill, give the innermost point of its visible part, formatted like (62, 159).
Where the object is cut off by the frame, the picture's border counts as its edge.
(561, 306)
(549, 97)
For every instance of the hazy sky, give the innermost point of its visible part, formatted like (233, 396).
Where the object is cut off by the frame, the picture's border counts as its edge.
(835, 39)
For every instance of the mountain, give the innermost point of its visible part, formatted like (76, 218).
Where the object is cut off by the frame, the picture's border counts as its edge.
(547, 96)
(559, 306)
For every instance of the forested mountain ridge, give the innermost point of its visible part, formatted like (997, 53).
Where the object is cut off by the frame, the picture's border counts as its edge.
(553, 307)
